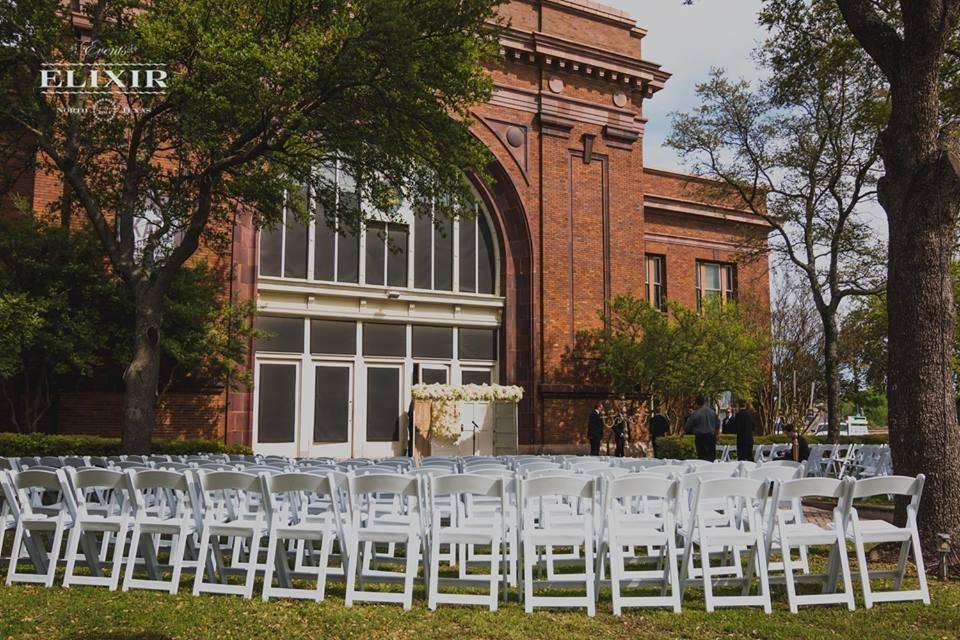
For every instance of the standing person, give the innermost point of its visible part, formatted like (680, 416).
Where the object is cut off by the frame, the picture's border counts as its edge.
(595, 429)
(658, 427)
(704, 424)
(620, 431)
(744, 424)
(726, 427)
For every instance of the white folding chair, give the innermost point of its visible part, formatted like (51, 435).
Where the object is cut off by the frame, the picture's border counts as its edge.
(792, 530)
(224, 500)
(464, 529)
(742, 527)
(37, 516)
(288, 498)
(626, 527)
(163, 504)
(371, 526)
(862, 532)
(544, 525)
(109, 516)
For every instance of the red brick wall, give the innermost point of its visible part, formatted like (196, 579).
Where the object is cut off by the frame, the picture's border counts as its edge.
(180, 415)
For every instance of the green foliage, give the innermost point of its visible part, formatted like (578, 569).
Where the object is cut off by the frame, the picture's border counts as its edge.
(59, 312)
(38, 444)
(646, 354)
(682, 447)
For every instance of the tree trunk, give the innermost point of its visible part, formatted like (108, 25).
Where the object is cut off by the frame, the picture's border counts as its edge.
(921, 194)
(142, 374)
(831, 371)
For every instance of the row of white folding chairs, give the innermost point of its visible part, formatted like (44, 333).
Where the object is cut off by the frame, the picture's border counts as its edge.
(568, 521)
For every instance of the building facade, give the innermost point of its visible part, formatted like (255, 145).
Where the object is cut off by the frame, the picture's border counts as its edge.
(571, 219)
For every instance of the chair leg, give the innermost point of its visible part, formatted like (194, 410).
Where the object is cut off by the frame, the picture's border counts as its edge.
(707, 575)
(529, 556)
(918, 557)
(762, 565)
(14, 553)
(176, 560)
(410, 572)
(132, 557)
(616, 574)
(901, 564)
(588, 568)
(252, 560)
(326, 545)
(271, 561)
(671, 565)
(864, 570)
(788, 573)
(350, 573)
(73, 544)
(844, 562)
(118, 543)
(434, 577)
(54, 554)
(202, 560)
(495, 571)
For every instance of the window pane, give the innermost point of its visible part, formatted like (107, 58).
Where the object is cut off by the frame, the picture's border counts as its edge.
(383, 404)
(422, 259)
(433, 376)
(477, 344)
(270, 248)
(374, 252)
(432, 342)
(475, 377)
(712, 273)
(331, 417)
(277, 413)
(486, 262)
(333, 336)
(285, 334)
(397, 255)
(443, 256)
(295, 260)
(348, 257)
(468, 255)
(325, 240)
(384, 339)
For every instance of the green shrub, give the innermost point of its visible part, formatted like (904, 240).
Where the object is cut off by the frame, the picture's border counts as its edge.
(41, 444)
(683, 448)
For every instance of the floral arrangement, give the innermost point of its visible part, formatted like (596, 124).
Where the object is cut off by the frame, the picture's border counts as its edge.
(468, 392)
(443, 398)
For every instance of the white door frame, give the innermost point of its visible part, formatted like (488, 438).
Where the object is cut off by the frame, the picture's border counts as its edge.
(313, 449)
(372, 449)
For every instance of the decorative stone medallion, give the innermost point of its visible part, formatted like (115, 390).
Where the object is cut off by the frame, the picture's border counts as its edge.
(620, 99)
(555, 84)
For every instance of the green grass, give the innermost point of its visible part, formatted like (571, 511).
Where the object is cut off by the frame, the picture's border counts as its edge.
(89, 613)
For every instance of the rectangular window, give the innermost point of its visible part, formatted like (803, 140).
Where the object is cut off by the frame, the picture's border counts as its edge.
(431, 374)
(398, 235)
(331, 417)
(423, 252)
(468, 255)
(284, 334)
(376, 252)
(475, 376)
(443, 255)
(386, 254)
(486, 257)
(477, 344)
(295, 248)
(348, 256)
(324, 250)
(432, 342)
(384, 339)
(715, 281)
(271, 251)
(337, 337)
(383, 404)
(277, 411)
(657, 282)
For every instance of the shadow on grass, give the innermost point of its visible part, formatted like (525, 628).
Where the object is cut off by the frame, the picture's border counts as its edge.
(142, 635)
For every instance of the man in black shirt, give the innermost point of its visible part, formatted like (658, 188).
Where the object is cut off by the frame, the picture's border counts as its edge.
(726, 425)
(595, 429)
(658, 427)
(800, 450)
(704, 425)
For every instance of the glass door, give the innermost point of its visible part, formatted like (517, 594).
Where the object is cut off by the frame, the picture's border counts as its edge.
(330, 433)
(385, 423)
(275, 407)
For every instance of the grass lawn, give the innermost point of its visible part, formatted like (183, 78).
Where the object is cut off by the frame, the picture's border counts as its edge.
(29, 611)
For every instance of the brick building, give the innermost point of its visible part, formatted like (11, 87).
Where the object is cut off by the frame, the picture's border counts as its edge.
(572, 218)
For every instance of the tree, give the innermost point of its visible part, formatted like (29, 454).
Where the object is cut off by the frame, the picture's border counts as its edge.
(799, 152)
(254, 98)
(58, 314)
(63, 317)
(915, 47)
(647, 356)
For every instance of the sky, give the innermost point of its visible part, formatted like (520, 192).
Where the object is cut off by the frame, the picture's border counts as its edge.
(688, 40)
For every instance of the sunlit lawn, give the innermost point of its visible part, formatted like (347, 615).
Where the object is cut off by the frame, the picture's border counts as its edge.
(28, 611)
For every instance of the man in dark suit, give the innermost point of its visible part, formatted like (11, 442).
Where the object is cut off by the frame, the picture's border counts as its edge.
(704, 424)
(595, 429)
(658, 427)
(744, 424)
